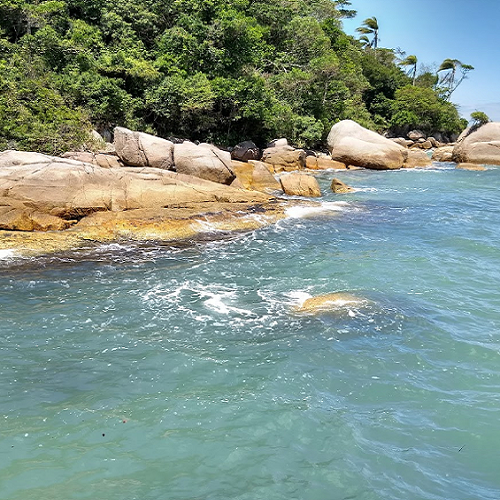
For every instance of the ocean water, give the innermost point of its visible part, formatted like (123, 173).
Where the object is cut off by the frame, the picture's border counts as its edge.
(160, 372)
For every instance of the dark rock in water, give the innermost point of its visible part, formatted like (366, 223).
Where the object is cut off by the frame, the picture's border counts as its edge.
(245, 151)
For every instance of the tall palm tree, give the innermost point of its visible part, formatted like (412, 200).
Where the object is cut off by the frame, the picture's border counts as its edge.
(370, 27)
(411, 63)
(449, 80)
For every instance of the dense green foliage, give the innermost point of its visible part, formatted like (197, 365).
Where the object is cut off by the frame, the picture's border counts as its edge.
(215, 70)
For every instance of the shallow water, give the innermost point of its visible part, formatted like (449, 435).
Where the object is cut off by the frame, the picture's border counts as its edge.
(160, 372)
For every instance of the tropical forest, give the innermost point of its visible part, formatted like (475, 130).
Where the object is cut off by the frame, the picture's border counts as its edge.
(213, 70)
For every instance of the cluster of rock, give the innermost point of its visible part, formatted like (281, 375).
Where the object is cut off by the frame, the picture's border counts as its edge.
(143, 172)
(416, 139)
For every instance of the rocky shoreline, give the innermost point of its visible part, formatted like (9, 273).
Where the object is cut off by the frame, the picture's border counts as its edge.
(147, 188)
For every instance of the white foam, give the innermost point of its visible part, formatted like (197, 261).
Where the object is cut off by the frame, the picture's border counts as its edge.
(7, 254)
(311, 211)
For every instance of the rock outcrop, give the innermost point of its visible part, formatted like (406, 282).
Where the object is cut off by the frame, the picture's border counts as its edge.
(300, 185)
(204, 161)
(352, 144)
(479, 146)
(32, 184)
(138, 149)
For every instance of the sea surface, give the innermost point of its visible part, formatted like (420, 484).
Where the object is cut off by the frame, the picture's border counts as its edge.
(185, 372)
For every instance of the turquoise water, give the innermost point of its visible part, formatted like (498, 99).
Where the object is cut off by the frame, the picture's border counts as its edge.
(159, 372)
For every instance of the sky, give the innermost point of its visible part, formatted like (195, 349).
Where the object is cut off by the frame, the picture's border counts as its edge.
(435, 30)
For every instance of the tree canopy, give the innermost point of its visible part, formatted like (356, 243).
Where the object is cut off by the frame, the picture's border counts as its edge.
(213, 70)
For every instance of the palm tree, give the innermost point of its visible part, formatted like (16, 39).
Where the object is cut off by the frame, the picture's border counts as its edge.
(370, 27)
(411, 63)
(449, 80)
(365, 41)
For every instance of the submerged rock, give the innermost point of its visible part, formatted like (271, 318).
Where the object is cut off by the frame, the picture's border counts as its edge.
(339, 187)
(470, 166)
(331, 302)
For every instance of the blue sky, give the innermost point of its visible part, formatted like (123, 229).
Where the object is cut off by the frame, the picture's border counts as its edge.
(435, 30)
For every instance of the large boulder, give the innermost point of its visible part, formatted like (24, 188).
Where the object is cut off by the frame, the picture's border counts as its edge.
(204, 161)
(245, 151)
(285, 158)
(138, 149)
(479, 146)
(254, 176)
(352, 144)
(300, 185)
(32, 184)
(443, 154)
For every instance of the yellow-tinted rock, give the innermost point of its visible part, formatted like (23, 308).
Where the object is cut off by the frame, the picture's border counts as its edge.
(470, 166)
(254, 176)
(331, 302)
(321, 163)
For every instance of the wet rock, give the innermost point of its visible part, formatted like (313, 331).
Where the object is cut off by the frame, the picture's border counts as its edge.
(332, 302)
(339, 187)
(470, 166)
